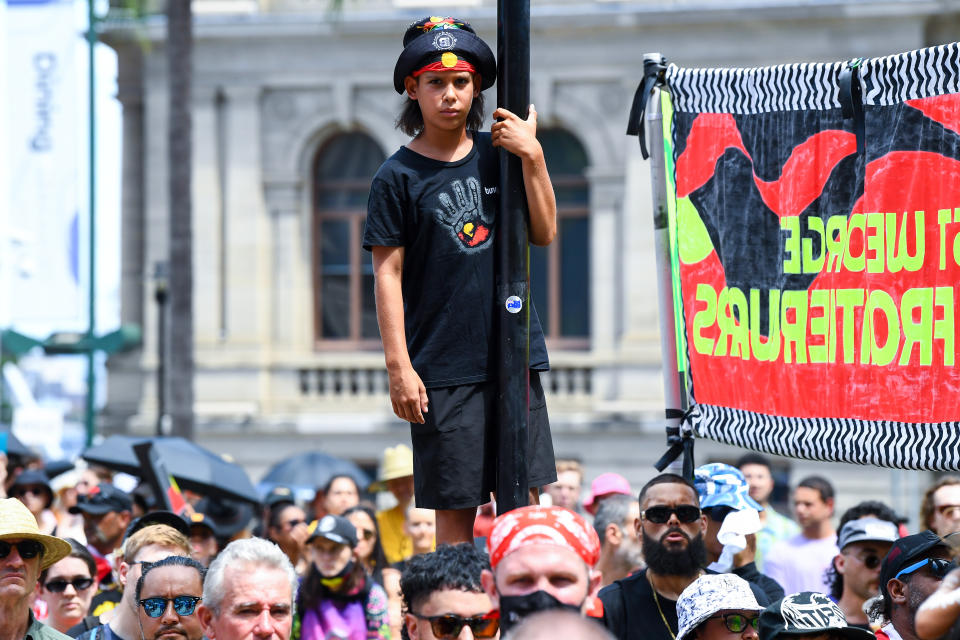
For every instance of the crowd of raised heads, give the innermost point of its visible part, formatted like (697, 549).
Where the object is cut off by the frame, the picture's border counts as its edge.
(84, 554)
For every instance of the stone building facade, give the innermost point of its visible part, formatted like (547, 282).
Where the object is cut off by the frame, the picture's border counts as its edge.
(293, 108)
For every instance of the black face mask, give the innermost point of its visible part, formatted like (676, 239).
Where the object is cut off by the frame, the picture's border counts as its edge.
(514, 608)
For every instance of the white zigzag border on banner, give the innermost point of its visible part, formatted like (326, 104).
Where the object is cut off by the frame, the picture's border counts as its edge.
(887, 443)
(814, 86)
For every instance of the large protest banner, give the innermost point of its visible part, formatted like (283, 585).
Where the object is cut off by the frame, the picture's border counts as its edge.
(815, 213)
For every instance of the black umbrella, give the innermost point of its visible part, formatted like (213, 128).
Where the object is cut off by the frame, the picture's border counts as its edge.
(13, 446)
(306, 472)
(193, 467)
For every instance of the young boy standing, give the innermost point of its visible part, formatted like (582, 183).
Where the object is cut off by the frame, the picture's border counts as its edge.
(431, 219)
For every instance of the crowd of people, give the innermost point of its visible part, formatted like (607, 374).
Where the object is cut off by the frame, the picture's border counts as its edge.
(705, 559)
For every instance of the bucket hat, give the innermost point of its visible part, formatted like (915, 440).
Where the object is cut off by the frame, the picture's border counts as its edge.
(397, 463)
(17, 523)
(711, 593)
(807, 613)
(720, 485)
(29, 477)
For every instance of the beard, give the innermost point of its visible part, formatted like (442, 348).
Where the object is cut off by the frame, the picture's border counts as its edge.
(681, 562)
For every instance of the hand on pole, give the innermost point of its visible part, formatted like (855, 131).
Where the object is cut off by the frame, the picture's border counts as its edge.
(516, 135)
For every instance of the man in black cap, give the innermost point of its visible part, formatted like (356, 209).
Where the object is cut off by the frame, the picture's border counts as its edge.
(32, 488)
(912, 570)
(203, 538)
(807, 615)
(107, 512)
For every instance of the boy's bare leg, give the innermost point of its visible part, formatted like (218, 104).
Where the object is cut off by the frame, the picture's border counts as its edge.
(455, 525)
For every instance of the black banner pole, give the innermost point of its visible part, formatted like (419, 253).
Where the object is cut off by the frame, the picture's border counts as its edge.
(513, 267)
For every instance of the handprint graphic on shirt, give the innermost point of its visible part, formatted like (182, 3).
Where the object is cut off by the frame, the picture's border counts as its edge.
(463, 214)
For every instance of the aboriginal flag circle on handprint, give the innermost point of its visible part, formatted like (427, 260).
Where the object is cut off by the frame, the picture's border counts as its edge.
(461, 211)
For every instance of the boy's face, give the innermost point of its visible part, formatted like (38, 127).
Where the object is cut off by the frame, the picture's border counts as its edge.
(445, 97)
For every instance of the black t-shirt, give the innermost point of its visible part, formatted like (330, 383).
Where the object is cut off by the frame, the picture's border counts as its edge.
(444, 215)
(631, 613)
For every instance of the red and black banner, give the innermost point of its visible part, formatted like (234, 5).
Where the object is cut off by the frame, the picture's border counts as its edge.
(816, 210)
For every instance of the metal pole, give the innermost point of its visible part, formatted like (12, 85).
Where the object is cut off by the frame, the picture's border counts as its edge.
(513, 264)
(674, 387)
(160, 295)
(92, 327)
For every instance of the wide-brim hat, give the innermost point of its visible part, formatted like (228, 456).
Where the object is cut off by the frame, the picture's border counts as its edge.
(17, 523)
(397, 463)
(807, 614)
(436, 39)
(711, 593)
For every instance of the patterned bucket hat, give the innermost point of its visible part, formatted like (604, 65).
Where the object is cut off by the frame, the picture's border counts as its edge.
(709, 594)
(720, 485)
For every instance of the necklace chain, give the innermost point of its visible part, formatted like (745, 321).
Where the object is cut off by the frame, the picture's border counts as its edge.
(656, 601)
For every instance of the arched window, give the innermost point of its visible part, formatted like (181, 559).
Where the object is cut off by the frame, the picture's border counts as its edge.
(560, 272)
(344, 310)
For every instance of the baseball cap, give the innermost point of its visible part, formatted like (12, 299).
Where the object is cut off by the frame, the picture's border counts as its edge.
(904, 552)
(198, 519)
(709, 594)
(807, 613)
(606, 484)
(335, 528)
(720, 485)
(101, 499)
(168, 518)
(278, 495)
(867, 529)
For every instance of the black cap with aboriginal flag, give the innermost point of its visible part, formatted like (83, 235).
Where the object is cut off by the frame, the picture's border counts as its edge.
(444, 44)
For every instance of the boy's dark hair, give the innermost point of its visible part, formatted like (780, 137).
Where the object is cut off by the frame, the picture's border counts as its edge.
(667, 478)
(819, 484)
(410, 120)
(754, 458)
(170, 561)
(874, 508)
(449, 567)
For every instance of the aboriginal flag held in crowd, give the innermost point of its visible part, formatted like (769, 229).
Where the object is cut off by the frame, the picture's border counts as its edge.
(815, 234)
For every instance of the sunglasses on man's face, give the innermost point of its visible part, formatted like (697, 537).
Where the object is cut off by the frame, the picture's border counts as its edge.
(449, 626)
(737, 622)
(26, 548)
(938, 566)
(660, 514)
(59, 586)
(183, 605)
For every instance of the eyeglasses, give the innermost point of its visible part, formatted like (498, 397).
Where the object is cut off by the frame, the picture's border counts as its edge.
(26, 548)
(870, 561)
(183, 605)
(19, 492)
(59, 586)
(737, 622)
(658, 515)
(938, 566)
(367, 534)
(449, 626)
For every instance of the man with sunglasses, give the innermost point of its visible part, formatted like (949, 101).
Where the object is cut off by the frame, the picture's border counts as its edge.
(863, 544)
(167, 594)
(443, 597)
(150, 544)
(912, 570)
(24, 553)
(718, 607)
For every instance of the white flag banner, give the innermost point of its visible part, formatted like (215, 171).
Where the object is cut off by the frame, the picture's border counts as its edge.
(44, 106)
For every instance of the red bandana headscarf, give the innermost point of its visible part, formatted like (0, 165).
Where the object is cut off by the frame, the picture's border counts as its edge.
(536, 525)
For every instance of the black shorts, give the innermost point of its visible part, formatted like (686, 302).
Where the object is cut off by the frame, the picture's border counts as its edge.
(455, 451)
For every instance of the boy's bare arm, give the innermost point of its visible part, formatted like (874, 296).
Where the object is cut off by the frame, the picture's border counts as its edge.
(519, 137)
(407, 393)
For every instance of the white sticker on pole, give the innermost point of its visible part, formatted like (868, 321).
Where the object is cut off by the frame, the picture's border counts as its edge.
(514, 304)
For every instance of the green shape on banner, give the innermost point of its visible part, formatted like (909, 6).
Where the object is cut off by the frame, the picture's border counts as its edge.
(696, 244)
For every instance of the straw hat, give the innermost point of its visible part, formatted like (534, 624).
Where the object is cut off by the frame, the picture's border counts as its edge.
(17, 523)
(397, 463)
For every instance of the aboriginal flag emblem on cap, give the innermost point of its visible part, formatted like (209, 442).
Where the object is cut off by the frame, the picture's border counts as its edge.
(444, 44)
